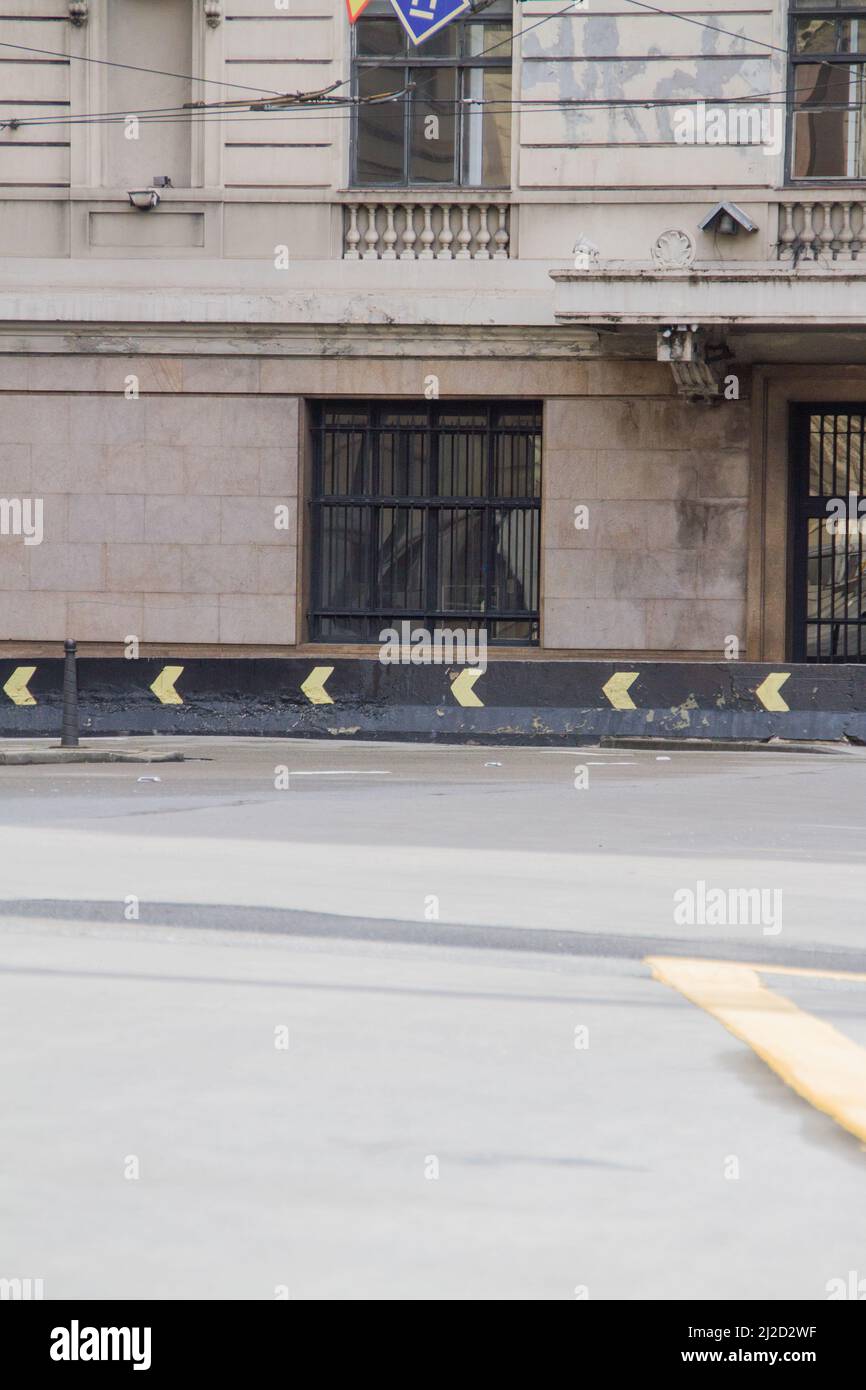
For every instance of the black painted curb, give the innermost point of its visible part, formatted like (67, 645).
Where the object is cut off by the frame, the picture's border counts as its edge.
(543, 702)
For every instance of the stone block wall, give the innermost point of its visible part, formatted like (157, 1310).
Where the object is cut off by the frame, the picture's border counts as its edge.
(661, 565)
(158, 518)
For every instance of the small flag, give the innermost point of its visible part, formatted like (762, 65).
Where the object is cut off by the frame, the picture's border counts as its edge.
(356, 7)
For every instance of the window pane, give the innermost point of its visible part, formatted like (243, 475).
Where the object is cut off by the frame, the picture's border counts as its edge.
(815, 36)
(829, 35)
(442, 44)
(380, 38)
(516, 465)
(345, 568)
(487, 128)
(828, 124)
(461, 465)
(461, 559)
(490, 39)
(432, 157)
(380, 128)
(403, 459)
(400, 558)
(514, 576)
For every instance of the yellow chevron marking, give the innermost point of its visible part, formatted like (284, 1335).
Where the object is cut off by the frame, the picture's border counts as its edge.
(768, 691)
(314, 686)
(163, 686)
(461, 688)
(617, 688)
(16, 686)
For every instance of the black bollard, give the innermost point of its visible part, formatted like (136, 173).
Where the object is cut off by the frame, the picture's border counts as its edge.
(69, 727)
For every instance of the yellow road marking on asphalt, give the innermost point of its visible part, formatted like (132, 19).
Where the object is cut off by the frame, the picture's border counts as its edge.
(163, 686)
(816, 1061)
(461, 689)
(16, 686)
(768, 691)
(617, 688)
(314, 686)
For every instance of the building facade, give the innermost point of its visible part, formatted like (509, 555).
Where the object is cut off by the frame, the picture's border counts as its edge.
(552, 326)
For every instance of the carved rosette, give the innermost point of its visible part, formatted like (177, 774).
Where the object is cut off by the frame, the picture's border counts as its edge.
(78, 12)
(673, 250)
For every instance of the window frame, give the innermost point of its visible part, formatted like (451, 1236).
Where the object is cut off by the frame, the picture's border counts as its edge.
(415, 58)
(377, 615)
(795, 60)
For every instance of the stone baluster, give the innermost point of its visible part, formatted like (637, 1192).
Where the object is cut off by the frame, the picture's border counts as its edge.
(827, 238)
(846, 233)
(482, 240)
(807, 236)
(389, 236)
(371, 235)
(409, 233)
(858, 230)
(426, 252)
(353, 235)
(501, 236)
(464, 236)
(446, 236)
(787, 231)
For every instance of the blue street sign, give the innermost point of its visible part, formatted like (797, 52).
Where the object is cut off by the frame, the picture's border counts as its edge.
(421, 18)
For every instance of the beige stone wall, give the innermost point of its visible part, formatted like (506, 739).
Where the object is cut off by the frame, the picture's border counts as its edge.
(245, 183)
(662, 564)
(159, 512)
(159, 516)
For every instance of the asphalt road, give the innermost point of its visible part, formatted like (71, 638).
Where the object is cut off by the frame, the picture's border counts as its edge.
(422, 1023)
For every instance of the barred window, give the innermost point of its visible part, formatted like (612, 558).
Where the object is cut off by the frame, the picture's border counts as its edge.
(453, 124)
(428, 513)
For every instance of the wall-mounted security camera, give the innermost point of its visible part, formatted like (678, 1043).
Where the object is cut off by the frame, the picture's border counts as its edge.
(144, 198)
(728, 220)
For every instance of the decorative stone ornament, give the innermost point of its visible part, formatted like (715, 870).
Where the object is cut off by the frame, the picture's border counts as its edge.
(585, 254)
(213, 12)
(673, 250)
(78, 12)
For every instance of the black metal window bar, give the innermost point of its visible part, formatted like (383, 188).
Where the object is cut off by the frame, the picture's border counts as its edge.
(428, 513)
(829, 484)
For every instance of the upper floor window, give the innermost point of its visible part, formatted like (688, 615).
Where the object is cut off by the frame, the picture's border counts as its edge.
(453, 125)
(828, 57)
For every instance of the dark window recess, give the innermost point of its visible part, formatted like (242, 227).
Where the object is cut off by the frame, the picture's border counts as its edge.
(453, 124)
(828, 91)
(829, 550)
(428, 513)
